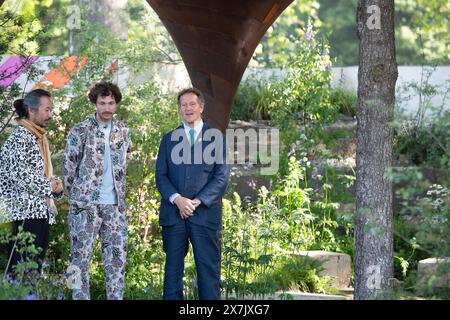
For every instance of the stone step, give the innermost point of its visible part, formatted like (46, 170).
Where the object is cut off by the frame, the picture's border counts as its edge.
(433, 273)
(296, 295)
(343, 123)
(313, 296)
(336, 265)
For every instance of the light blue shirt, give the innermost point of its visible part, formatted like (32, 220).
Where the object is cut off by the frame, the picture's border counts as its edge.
(108, 193)
(198, 129)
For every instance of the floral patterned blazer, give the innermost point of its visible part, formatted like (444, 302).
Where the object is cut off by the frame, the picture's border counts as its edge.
(83, 161)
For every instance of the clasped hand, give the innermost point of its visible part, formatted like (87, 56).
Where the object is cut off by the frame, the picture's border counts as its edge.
(186, 206)
(56, 185)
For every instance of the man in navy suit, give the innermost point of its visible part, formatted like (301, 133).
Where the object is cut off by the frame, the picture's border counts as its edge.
(192, 176)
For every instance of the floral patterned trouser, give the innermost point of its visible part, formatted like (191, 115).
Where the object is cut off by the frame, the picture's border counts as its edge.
(86, 221)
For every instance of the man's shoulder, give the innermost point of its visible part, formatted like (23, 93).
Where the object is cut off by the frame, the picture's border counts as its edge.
(83, 126)
(19, 136)
(120, 124)
(169, 134)
(20, 132)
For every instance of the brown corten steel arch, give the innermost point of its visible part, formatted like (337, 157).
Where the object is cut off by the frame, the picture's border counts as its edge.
(216, 39)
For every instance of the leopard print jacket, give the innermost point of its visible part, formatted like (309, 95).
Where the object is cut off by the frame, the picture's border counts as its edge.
(23, 187)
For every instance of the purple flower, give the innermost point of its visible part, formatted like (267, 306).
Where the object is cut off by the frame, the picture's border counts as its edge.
(309, 35)
(252, 184)
(328, 66)
(10, 279)
(31, 297)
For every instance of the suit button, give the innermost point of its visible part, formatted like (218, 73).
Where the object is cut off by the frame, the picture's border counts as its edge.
(188, 177)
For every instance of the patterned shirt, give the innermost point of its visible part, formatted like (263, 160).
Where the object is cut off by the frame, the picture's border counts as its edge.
(83, 160)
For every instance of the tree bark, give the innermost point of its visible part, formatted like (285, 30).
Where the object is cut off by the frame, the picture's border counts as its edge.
(377, 76)
(109, 14)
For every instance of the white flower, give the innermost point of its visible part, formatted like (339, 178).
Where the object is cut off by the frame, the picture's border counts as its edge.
(264, 190)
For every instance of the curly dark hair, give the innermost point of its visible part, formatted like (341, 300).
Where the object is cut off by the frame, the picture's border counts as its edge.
(104, 89)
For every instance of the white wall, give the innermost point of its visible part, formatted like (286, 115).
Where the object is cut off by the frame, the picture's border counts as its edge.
(407, 75)
(173, 78)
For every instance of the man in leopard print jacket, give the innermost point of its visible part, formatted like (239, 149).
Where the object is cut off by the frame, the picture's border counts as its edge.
(27, 185)
(94, 169)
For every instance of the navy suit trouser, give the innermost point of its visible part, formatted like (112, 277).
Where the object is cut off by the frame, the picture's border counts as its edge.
(206, 247)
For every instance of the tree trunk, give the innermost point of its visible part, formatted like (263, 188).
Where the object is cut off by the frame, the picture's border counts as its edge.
(109, 14)
(377, 76)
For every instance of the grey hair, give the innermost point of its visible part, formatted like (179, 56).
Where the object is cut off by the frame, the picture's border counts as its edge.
(31, 101)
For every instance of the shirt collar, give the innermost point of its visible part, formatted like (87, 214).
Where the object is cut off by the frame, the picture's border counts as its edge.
(99, 125)
(198, 128)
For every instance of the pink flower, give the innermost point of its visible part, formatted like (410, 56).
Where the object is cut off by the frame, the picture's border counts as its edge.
(252, 184)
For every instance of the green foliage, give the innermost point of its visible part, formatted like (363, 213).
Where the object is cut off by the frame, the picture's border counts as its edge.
(344, 101)
(421, 210)
(248, 249)
(279, 43)
(149, 114)
(422, 227)
(426, 145)
(434, 232)
(421, 31)
(14, 25)
(301, 211)
(333, 139)
(254, 99)
(258, 238)
(26, 282)
(50, 19)
(148, 40)
(338, 25)
(422, 138)
(20, 29)
(301, 273)
(257, 243)
(303, 95)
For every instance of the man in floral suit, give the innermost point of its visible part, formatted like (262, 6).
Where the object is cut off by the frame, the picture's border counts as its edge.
(94, 170)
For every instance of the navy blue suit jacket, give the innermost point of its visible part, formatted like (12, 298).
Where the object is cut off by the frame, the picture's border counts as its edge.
(204, 181)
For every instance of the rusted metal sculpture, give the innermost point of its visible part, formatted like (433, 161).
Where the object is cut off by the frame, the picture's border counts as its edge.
(216, 39)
